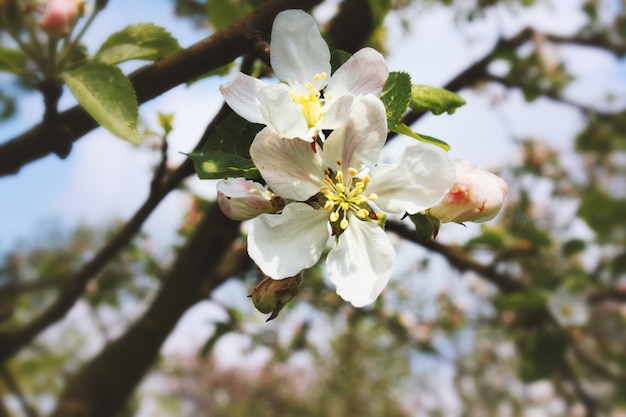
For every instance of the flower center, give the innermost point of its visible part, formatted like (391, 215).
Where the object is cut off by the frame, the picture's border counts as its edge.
(311, 102)
(344, 195)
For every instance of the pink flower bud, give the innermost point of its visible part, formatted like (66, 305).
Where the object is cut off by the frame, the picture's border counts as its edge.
(476, 196)
(58, 17)
(242, 199)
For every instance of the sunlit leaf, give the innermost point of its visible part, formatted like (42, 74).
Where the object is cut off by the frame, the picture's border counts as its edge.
(140, 41)
(108, 96)
(395, 96)
(435, 100)
(403, 129)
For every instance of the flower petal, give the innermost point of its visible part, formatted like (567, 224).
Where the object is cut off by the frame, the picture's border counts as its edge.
(298, 51)
(337, 112)
(284, 244)
(281, 114)
(418, 180)
(290, 167)
(360, 139)
(240, 93)
(361, 263)
(364, 73)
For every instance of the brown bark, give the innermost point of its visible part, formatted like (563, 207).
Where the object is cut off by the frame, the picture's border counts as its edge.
(102, 387)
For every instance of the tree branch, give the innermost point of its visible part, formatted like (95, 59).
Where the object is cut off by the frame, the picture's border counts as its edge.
(11, 341)
(149, 82)
(102, 387)
(458, 259)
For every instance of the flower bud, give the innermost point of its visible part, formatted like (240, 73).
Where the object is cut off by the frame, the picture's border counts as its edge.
(476, 196)
(242, 199)
(270, 295)
(59, 16)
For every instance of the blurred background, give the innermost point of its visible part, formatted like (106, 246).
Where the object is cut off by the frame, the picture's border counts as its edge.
(107, 309)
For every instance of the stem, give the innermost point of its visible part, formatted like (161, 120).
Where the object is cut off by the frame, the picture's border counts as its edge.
(68, 49)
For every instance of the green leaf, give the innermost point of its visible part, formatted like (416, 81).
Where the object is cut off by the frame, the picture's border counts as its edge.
(338, 57)
(403, 129)
(108, 96)
(12, 60)
(223, 13)
(530, 300)
(542, 354)
(226, 152)
(425, 226)
(219, 164)
(395, 96)
(436, 100)
(140, 41)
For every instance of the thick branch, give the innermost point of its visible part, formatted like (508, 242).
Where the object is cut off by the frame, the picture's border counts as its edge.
(102, 387)
(149, 82)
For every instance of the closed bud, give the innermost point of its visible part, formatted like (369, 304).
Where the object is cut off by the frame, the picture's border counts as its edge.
(270, 295)
(59, 16)
(242, 199)
(476, 196)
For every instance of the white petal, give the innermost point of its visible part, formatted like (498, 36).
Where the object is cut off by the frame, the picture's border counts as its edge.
(298, 51)
(281, 114)
(290, 167)
(361, 263)
(419, 179)
(364, 73)
(284, 244)
(336, 113)
(360, 139)
(240, 92)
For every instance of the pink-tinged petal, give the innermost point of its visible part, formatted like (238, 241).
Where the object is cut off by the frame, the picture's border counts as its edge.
(284, 244)
(242, 199)
(281, 114)
(240, 93)
(298, 51)
(476, 196)
(360, 139)
(336, 112)
(362, 262)
(419, 179)
(364, 73)
(290, 167)
(58, 17)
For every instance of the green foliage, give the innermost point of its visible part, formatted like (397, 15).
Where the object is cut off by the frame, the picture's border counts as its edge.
(435, 100)
(108, 96)
(395, 96)
(604, 214)
(403, 129)
(603, 134)
(223, 13)
(425, 226)
(531, 300)
(543, 353)
(12, 60)
(139, 41)
(7, 106)
(338, 58)
(226, 152)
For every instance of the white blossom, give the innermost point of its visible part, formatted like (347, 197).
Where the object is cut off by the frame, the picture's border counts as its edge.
(334, 191)
(308, 99)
